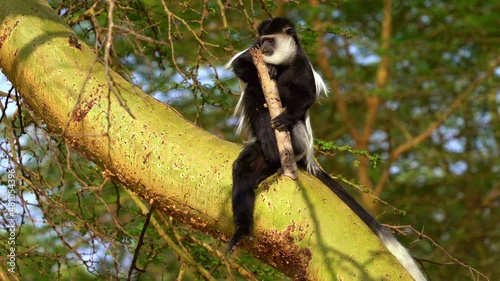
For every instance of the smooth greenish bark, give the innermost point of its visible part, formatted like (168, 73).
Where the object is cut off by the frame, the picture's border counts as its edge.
(301, 227)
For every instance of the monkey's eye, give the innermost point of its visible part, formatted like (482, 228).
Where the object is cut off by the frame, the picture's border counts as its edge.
(267, 40)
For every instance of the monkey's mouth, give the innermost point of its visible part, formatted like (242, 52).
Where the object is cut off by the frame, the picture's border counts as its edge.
(267, 52)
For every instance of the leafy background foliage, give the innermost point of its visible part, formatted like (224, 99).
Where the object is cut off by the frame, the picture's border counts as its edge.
(430, 148)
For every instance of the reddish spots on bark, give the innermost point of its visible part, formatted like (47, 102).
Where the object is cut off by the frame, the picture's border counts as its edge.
(83, 109)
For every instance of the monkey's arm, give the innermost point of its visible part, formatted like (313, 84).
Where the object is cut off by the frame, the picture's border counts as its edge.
(244, 68)
(297, 92)
(297, 101)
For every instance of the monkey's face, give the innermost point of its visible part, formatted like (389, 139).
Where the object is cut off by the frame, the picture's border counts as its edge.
(267, 45)
(278, 49)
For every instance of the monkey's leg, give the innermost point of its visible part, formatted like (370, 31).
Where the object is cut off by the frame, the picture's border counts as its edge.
(249, 169)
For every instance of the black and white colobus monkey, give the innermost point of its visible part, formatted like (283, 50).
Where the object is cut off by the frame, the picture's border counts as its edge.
(299, 86)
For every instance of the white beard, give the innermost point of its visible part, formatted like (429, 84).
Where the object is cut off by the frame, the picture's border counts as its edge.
(284, 51)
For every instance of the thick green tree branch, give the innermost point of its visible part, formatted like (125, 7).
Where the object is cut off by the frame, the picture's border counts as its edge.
(301, 227)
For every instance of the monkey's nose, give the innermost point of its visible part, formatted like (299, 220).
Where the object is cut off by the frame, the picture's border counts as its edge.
(267, 51)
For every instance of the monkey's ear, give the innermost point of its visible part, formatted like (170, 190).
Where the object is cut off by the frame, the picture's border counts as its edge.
(289, 30)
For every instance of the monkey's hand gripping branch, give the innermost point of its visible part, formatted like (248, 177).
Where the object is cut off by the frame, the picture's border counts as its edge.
(271, 94)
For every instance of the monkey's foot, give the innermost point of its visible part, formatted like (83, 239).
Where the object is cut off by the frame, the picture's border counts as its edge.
(236, 239)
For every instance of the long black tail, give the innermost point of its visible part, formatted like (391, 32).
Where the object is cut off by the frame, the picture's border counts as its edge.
(387, 238)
